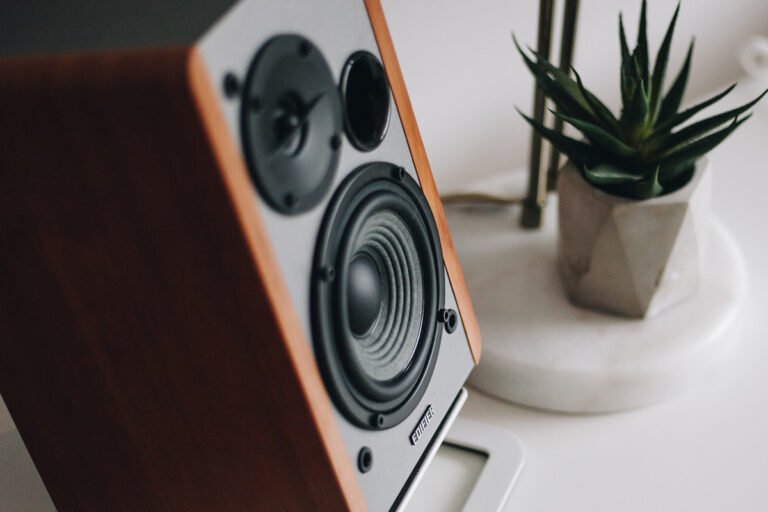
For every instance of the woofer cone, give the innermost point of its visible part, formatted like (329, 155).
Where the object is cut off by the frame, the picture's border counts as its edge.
(375, 326)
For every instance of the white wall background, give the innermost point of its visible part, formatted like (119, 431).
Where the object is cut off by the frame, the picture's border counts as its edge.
(465, 78)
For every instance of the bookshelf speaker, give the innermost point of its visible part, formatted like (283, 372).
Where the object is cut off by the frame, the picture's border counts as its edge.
(227, 278)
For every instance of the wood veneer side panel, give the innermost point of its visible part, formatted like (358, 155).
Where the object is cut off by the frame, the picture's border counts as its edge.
(141, 353)
(305, 368)
(419, 155)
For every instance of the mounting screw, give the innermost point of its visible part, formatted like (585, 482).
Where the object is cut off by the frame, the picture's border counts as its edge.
(289, 200)
(335, 142)
(304, 48)
(377, 420)
(398, 173)
(231, 85)
(365, 459)
(327, 273)
(449, 319)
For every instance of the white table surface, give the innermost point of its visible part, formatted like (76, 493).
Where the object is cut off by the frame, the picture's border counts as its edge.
(706, 450)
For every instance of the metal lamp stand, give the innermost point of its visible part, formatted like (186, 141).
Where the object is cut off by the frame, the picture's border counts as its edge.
(539, 181)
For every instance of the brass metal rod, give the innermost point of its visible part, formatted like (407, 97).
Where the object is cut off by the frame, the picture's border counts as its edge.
(467, 198)
(537, 186)
(567, 43)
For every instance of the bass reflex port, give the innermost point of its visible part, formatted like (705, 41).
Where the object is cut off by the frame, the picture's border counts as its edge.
(365, 94)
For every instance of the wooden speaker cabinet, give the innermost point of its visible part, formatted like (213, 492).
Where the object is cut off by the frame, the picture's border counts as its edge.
(226, 278)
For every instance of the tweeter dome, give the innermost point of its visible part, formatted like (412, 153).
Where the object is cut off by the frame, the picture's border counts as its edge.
(291, 123)
(228, 281)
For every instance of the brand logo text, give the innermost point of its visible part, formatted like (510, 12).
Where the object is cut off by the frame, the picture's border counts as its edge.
(422, 426)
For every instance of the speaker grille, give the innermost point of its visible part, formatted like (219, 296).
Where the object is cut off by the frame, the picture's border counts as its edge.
(376, 295)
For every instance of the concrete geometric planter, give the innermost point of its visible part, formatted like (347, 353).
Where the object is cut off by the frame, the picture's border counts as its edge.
(631, 257)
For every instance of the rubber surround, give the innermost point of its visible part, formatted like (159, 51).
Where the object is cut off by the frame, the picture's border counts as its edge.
(367, 402)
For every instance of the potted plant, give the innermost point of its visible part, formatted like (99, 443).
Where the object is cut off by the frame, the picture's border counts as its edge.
(634, 196)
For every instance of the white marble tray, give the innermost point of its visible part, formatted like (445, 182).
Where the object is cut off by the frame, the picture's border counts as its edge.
(540, 350)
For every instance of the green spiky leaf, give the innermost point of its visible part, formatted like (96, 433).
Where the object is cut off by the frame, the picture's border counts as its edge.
(602, 112)
(609, 175)
(642, 44)
(567, 97)
(687, 153)
(617, 181)
(674, 97)
(660, 67)
(685, 115)
(701, 128)
(574, 149)
(628, 84)
(626, 94)
(599, 136)
(569, 85)
(623, 40)
(634, 115)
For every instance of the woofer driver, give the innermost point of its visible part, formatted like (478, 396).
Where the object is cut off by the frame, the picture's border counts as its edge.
(376, 294)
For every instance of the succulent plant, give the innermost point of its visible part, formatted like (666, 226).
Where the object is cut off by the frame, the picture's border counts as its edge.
(644, 152)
